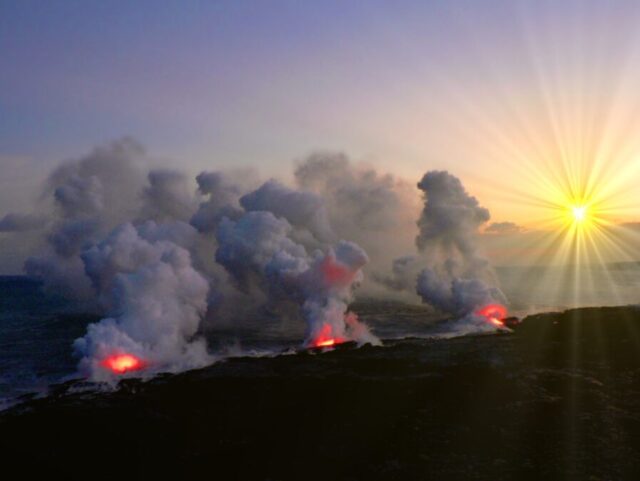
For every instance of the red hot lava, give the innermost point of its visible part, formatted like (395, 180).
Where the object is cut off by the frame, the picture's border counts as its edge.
(494, 313)
(121, 363)
(325, 338)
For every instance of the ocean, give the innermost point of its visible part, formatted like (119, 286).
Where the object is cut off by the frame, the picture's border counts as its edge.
(36, 332)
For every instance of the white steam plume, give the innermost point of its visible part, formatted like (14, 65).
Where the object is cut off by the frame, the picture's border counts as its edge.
(155, 300)
(457, 278)
(374, 209)
(155, 256)
(448, 273)
(258, 248)
(15, 222)
(91, 196)
(222, 191)
(167, 197)
(304, 210)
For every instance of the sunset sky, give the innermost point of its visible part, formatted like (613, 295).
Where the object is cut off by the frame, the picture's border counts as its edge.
(535, 105)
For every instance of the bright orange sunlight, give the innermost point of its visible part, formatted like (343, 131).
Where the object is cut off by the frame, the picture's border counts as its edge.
(570, 191)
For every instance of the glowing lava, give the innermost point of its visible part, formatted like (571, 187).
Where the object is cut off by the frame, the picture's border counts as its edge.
(494, 313)
(326, 338)
(121, 363)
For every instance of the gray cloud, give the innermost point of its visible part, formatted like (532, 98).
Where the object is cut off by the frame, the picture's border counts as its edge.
(503, 228)
(634, 226)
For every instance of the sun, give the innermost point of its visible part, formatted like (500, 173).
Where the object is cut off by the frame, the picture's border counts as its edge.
(582, 217)
(575, 212)
(579, 213)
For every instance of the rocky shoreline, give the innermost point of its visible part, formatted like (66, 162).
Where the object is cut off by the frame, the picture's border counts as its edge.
(559, 398)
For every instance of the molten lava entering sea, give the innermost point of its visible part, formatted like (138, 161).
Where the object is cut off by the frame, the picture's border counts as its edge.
(494, 314)
(326, 338)
(122, 363)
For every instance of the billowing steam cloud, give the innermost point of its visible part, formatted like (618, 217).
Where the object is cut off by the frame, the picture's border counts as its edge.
(448, 273)
(167, 197)
(167, 264)
(457, 279)
(156, 300)
(304, 210)
(258, 248)
(160, 260)
(21, 222)
(223, 201)
(91, 196)
(375, 210)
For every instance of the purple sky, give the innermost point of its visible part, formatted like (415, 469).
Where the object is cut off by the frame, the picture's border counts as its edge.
(409, 86)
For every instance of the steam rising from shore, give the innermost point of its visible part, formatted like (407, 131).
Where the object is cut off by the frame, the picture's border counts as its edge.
(155, 300)
(448, 271)
(457, 278)
(164, 258)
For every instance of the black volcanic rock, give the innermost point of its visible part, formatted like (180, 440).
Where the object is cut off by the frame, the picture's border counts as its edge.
(559, 399)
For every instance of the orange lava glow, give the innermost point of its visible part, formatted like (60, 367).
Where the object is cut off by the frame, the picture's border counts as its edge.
(496, 322)
(493, 313)
(336, 273)
(121, 363)
(326, 338)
